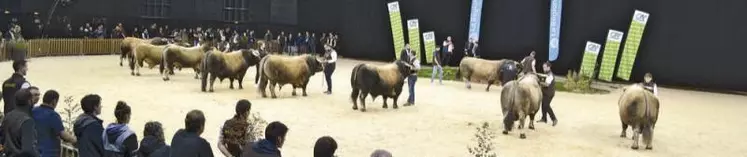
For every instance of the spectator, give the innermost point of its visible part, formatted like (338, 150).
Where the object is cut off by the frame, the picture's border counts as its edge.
(19, 127)
(268, 35)
(16, 82)
(448, 50)
(100, 32)
(268, 147)
(437, 68)
(281, 41)
(325, 147)
(153, 143)
(233, 134)
(49, 126)
(299, 43)
(468, 47)
(187, 142)
(88, 128)
(381, 153)
(312, 44)
(528, 63)
(119, 139)
(475, 49)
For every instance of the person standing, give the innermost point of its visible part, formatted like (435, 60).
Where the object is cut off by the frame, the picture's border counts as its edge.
(437, 68)
(409, 56)
(268, 35)
(528, 63)
(548, 93)
(281, 41)
(312, 44)
(49, 126)
(119, 139)
(269, 147)
(468, 47)
(649, 84)
(475, 49)
(187, 142)
(16, 82)
(448, 50)
(329, 67)
(233, 133)
(19, 129)
(88, 128)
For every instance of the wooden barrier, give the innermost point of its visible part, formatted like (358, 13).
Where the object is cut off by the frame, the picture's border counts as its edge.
(65, 47)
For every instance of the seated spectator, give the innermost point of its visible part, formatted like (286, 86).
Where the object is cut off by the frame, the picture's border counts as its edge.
(153, 143)
(268, 147)
(49, 126)
(187, 142)
(325, 147)
(119, 139)
(381, 153)
(233, 134)
(88, 128)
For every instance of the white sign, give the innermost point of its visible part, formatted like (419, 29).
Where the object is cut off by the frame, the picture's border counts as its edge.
(429, 36)
(640, 16)
(412, 24)
(614, 35)
(593, 47)
(393, 6)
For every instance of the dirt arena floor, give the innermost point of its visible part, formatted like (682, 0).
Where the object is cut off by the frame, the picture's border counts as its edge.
(690, 124)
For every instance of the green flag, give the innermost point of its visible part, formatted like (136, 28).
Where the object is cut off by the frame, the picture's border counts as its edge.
(631, 44)
(609, 57)
(429, 42)
(589, 61)
(413, 30)
(395, 19)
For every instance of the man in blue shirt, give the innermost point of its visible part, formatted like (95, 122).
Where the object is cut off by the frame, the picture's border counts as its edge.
(49, 126)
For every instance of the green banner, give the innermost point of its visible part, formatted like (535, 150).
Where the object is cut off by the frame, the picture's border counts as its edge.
(589, 61)
(631, 44)
(429, 42)
(609, 57)
(413, 30)
(395, 19)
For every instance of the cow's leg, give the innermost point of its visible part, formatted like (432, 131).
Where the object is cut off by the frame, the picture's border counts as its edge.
(272, 89)
(522, 119)
(636, 136)
(490, 82)
(362, 98)
(241, 79)
(230, 83)
(304, 87)
(648, 136)
(212, 80)
(354, 96)
(395, 102)
(624, 130)
(293, 87)
(531, 121)
(197, 71)
(385, 104)
(165, 76)
(466, 81)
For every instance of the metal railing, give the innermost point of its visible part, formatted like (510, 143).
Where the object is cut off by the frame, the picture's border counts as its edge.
(68, 151)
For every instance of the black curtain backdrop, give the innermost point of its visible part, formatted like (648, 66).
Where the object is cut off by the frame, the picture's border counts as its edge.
(694, 43)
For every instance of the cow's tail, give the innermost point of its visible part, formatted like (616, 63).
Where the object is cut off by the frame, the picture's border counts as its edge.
(262, 76)
(205, 69)
(353, 79)
(458, 73)
(511, 115)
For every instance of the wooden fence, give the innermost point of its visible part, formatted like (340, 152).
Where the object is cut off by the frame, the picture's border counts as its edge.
(63, 47)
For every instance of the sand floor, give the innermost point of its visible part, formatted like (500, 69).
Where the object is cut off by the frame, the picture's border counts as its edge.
(690, 124)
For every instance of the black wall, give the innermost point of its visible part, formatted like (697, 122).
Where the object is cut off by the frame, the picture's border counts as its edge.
(696, 43)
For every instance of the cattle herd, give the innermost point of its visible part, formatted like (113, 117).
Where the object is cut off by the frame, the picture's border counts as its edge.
(521, 95)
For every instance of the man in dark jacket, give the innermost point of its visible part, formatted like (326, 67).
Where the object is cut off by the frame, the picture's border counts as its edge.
(88, 128)
(410, 57)
(187, 142)
(268, 35)
(268, 147)
(16, 82)
(19, 127)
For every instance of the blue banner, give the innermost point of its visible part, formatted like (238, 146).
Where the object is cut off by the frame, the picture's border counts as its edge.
(556, 7)
(474, 20)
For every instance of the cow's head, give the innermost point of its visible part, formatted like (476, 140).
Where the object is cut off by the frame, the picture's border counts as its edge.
(314, 63)
(405, 68)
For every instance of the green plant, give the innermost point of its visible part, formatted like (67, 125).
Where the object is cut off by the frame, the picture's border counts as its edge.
(256, 127)
(575, 82)
(484, 138)
(449, 72)
(70, 111)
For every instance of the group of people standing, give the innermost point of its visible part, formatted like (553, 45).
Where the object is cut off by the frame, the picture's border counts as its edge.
(302, 43)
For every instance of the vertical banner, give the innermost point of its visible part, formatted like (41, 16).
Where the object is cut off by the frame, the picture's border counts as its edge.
(589, 62)
(429, 42)
(609, 57)
(413, 30)
(395, 19)
(631, 44)
(474, 19)
(556, 8)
